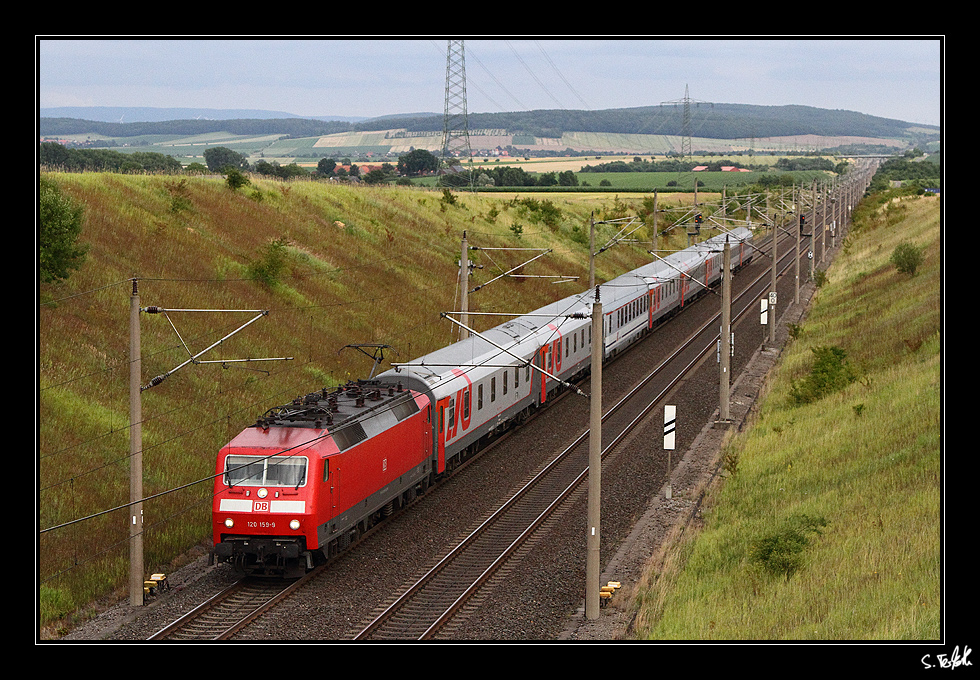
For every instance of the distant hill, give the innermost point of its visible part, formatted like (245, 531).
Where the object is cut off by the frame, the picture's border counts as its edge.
(716, 121)
(150, 114)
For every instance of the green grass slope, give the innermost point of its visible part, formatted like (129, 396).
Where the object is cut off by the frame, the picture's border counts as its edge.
(828, 525)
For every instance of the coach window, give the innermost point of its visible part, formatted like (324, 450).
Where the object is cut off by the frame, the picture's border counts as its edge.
(517, 378)
(566, 345)
(451, 420)
(466, 405)
(479, 397)
(503, 382)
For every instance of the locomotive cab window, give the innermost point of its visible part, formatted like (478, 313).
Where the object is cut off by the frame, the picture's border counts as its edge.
(265, 471)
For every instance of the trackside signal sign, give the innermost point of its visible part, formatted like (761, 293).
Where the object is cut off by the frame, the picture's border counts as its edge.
(670, 424)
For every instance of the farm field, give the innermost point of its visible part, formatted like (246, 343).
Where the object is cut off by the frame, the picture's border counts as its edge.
(306, 151)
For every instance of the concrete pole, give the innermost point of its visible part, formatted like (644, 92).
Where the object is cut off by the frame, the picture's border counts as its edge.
(813, 227)
(772, 283)
(726, 335)
(823, 225)
(797, 197)
(464, 284)
(837, 204)
(135, 453)
(595, 465)
(592, 251)
(656, 235)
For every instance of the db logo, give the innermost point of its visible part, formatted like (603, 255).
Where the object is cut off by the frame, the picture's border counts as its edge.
(260, 506)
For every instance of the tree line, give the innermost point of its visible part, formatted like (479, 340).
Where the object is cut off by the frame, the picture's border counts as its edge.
(787, 164)
(54, 155)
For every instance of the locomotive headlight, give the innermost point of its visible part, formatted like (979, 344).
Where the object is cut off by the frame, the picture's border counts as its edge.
(294, 524)
(229, 523)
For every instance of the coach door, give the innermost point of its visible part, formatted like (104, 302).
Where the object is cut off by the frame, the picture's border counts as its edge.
(444, 411)
(544, 362)
(654, 305)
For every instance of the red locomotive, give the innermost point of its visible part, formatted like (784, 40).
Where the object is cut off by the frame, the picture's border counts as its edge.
(309, 476)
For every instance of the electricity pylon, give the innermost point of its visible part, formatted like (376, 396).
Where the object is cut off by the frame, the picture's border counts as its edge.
(456, 134)
(686, 127)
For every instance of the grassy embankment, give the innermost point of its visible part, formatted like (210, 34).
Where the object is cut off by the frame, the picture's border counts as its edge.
(828, 524)
(340, 265)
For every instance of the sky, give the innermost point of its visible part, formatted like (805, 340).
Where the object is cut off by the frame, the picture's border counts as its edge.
(892, 77)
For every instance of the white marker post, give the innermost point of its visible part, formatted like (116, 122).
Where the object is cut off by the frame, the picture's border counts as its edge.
(670, 426)
(764, 317)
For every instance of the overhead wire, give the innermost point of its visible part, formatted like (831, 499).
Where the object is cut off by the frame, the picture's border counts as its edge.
(534, 75)
(562, 76)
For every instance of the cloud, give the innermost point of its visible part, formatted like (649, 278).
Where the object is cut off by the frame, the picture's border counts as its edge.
(892, 78)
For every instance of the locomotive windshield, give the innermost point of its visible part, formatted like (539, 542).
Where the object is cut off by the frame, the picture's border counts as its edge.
(265, 471)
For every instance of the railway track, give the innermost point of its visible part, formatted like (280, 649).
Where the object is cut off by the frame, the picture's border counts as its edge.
(429, 604)
(230, 610)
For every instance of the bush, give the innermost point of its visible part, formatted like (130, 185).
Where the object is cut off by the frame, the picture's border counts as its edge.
(236, 179)
(59, 227)
(831, 371)
(269, 268)
(781, 553)
(907, 258)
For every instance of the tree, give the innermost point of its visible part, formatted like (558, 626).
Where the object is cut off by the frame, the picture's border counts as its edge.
(60, 226)
(417, 161)
(567, 179)
(218, 158)
(375, 177)
(326, 166)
